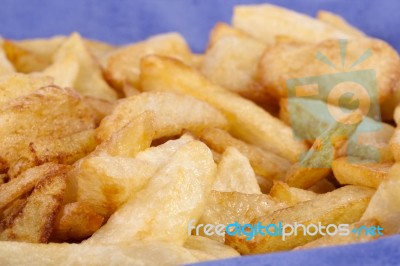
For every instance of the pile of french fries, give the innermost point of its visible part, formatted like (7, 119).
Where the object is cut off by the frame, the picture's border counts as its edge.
(108, 153)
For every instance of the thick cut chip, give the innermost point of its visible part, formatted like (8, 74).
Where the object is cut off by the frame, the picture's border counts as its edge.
(290, 195)
(266, 164)
(178, 190)
(384, 205)
(76, 221)
(123, 64)
(354, 171)
(230, 207)
(100, 107)
(339, 23)
(322, 186)
(266, 21)
(222, 30)
(43, 48)
(341, 206)
(316, 164)
(5, 65)
(83, 71)
(104, 183)
(285, 61)
(173, 113)
(48, 115)
(335, 240)
(16, 85)
(36, 220)
(235, 174)
(247, 120)
(394, 144)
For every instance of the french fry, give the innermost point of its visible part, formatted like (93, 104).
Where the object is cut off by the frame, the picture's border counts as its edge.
(384, 205)
(36, 220)
(266, 21)
(316, 164)
(394, 144)
(207, 249)
(222, 30)
(76, 221)
(235, 174)
(290, 195)
(179, 189)
(247, 121)
(339, 23)
(353, 171)
(284, 61)
(123, 64)
(341, 206)
(328, 240)
(173, 113)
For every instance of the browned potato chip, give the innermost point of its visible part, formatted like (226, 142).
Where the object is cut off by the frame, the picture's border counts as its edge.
(123, 64)
(49, 114)
(266, 21)
(247, 120)
(173, 112)
(264, 163)
(328, 240)
(290, 195)
(339, 23)
(285, 61)
(354, 171)
(76, 221)
(36, 220)
(341, 206)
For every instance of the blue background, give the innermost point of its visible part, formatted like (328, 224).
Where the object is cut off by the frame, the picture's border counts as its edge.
(126, 21)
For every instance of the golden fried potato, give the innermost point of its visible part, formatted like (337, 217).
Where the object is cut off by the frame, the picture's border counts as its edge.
(98, 48)
(222, 30)
(6, 66)
(316, 164)
(290, 195)
(123, 64)
(229, 207)
(322, 186)
(179, 190)
(17, 85)
(247, 120)
(339, 23)
(101, 108)
(173, 112)
(235, 174)
(335, 240)
(355, 171)
(206, 249)
(104, 183)
(384, 205)
(341, 206)
(43, 48)
(285, 61)
(44, 123)
(266, 164)
(76, 221)
(36, 220)
(75, 67)
(265, 21)
(394, 144)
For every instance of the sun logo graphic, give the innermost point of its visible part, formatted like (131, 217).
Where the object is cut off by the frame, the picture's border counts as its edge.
(327, 99)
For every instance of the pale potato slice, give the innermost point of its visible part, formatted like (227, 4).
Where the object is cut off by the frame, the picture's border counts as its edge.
(83, 71)
(35, 221)
(173, 112)
(207, 249)
(123, 64)
(104, 183)
(335, 240)
(222, 30)
(266, 164)
(229, 207)
(266, 21)
(137, 253)
(317, 163)
(16, 85)
(384, 205)
(354, 171)
(178, 190)
(285, 61)
(235, 174)
(290, 195)
(98, 48)
(341, 206)
(76, 221)
(339, 23)
(51, 115)
(247, 120)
